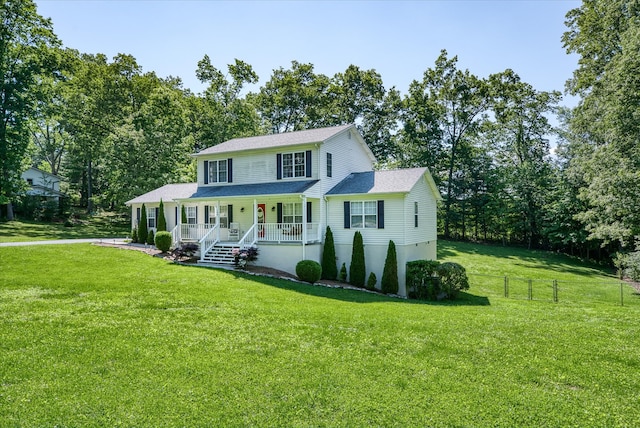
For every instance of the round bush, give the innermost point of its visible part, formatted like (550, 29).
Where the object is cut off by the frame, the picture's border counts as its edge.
(309, 271)
(163, 241)
(150, 237)
(453, 279)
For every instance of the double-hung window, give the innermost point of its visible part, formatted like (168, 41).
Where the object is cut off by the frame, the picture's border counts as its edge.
(151, 218)
(293, 165)
(224, 216)
(364, 214)
(218, 171)
(192, 215)
(292, 213)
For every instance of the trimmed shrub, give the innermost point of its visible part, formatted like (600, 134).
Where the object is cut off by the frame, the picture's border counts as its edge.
(163, 240)
(342, 276)
(422, 281)
(357, 268)
(134, 235)
(372, 281)
(143, 232)
(162, 221)
(309, 271)
(185, 251)
(453, 279)
(150, 237)
(389, 282)
(183, 215)
(329, 268)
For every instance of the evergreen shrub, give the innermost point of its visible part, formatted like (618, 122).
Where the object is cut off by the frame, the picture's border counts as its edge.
(309, 271)
(389, 283)
(150, 237)
(134, 235)
(162, 240)
(342, 276)
(422, 280)
(372, 281)
(329, 268)
(453, 279)
(162, 221)
(357, 268)
(143, 232)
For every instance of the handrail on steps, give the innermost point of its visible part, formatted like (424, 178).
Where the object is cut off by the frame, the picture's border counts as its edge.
(249, 238)
(208, 241)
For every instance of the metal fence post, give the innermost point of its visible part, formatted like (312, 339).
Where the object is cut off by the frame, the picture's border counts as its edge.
(555, 290)
(506, 286)
(621, 294)
(530, 290)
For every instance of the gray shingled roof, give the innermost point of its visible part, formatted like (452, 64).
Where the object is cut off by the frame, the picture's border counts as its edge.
(276, 140)
(391, 181)
(168, 192)
(277, 188)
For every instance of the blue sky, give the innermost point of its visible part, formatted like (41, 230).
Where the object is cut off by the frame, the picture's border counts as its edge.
(399, 39)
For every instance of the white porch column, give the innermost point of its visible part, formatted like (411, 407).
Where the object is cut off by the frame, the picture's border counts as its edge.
(218, 220)
(304, 226)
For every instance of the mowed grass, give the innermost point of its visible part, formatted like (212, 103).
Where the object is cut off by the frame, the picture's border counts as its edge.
(94, 336)
(99, 226)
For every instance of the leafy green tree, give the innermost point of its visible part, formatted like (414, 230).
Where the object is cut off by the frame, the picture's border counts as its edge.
(162, 221)
(143, 230)
(357, 268)
(604, 125)
(28, 54)
(389, 281)
(329, 267)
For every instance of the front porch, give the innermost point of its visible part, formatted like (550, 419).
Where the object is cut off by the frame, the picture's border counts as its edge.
(235, 224)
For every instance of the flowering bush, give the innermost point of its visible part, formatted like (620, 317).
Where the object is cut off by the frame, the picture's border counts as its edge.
(242, 256)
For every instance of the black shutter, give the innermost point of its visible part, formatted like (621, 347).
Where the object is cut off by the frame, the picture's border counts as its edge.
(138, 214)
(308, 163)
(279, 212)
(308, 211)
(230, 170)
(206, 172)
(279, 166)
(380, 214)
(230, 214)
(206, 214)
(157, 216)
(176, 213)
(196, 215)
(347, 215)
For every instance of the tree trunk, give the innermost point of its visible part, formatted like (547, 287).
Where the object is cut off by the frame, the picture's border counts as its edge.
(10, 211)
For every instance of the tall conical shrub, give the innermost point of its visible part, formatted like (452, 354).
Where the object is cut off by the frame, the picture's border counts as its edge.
(329, 267)
(183, 215)
(389, 281)
(357, 269)
(143, 231)
(162, 221)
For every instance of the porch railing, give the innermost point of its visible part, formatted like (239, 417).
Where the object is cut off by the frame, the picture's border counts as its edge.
(175, 235)
(208, 241)
(194, 232)
(288, 232)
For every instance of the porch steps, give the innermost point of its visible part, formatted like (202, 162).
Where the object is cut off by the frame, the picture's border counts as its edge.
(220, 254)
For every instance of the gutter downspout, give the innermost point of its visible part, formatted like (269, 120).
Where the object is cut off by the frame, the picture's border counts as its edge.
(304, 226)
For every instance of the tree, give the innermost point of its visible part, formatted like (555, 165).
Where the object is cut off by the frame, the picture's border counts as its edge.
(604, 126)
(143, 231)
(28, 52)
(329, 267)
(162, 221)
(389, 281)
(445, 108)
(357, 268)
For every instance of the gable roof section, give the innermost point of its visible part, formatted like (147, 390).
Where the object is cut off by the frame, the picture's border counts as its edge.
(168, 192)
(389, 181)
(276, 140)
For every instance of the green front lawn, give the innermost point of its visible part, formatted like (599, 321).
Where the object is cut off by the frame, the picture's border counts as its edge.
(100, 226)
(94, 336)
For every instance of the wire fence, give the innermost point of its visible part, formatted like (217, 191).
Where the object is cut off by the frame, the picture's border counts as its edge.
(553, 290)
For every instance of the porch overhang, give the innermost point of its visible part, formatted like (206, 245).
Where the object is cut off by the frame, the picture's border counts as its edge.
(250, 190)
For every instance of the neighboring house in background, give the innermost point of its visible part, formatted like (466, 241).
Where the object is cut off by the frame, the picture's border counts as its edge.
(280, 192)
(42, 183)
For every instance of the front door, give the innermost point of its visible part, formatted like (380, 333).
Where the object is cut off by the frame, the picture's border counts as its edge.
(262, 214)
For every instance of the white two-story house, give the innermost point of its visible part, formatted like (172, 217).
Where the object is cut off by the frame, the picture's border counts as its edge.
(279, 192)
